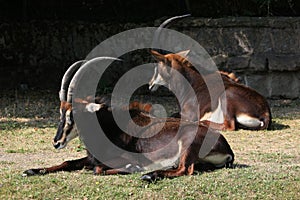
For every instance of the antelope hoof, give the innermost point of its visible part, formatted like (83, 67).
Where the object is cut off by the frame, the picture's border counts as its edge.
(147, 178)
(150, 177)
(133, 168)
(229, 165)
(33, 172)
(97, 170)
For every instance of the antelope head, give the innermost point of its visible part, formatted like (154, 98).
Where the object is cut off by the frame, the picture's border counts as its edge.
(65, 132)
(164, 67)
(160, 69)
(66, 128)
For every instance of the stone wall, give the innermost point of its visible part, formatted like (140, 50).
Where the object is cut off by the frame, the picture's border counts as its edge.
(264, 52)
(37, 53)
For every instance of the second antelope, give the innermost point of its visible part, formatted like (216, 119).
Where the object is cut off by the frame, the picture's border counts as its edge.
(239, 105)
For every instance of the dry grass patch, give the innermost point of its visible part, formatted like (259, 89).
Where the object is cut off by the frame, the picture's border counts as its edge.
(267, 162)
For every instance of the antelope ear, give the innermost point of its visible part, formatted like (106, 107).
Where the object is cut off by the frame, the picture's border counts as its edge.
(183, 53)
(93, 107)
(157, 56)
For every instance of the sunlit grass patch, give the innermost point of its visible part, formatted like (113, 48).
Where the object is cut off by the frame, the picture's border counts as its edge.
(267, 163)
(277, 157)
(18, 150)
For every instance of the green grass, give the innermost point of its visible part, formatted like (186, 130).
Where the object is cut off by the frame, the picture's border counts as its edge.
(243, 183)
(267, 162)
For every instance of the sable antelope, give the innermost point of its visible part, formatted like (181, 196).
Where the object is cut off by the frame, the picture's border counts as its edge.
(188, 143)
(66, 132)
(236, 107)
(241, 106)
(180, 156)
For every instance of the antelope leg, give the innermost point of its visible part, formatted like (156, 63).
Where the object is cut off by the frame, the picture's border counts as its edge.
(70, 165)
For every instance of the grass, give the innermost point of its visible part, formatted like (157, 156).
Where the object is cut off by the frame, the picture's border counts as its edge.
(267, 162)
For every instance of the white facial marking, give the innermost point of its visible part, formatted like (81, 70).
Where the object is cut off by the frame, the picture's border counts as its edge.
(159, 80)
(156, 81)
(68, 118)
(152, 86)
(66, 139)
(61, 146)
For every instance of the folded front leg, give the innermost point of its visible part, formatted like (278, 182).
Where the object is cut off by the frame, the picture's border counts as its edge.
(185, 167)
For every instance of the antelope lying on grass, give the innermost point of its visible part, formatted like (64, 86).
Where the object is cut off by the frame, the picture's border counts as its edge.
(187, 143)
(182, 154)
(242, 107)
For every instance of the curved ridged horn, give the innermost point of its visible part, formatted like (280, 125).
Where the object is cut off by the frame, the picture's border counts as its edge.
(67, 79)
(164, 24)
(77, 75)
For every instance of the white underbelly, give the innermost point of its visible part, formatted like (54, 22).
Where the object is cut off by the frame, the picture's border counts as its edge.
(248, 121)
(218, 160)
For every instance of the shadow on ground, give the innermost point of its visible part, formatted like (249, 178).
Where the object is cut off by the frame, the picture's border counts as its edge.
(277, 126)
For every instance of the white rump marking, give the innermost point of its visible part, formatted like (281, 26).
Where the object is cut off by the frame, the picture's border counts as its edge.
(248, 121)
(218, 160)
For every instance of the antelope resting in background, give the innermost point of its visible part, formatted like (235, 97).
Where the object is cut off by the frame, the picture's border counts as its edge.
(242, 107)
(180, 157)
(236, 107)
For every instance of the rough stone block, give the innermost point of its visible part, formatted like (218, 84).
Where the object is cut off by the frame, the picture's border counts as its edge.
(259, 82)
(284, 62)
(285, 85)
(258, 63)
(239, 62)
(275, 84)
